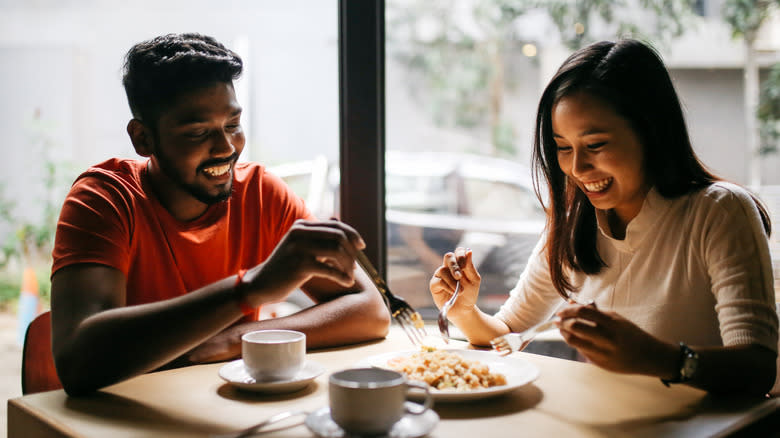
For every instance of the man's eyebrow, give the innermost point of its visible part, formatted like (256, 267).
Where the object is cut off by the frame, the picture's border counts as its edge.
(198, 117)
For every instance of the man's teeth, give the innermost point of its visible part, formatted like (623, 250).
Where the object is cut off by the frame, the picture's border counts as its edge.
(217, 170)
(597, 186)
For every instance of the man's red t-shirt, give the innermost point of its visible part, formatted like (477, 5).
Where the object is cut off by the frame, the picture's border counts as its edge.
(111, 217)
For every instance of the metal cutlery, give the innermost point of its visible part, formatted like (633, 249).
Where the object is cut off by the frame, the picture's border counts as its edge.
(444, 324)
(511, 342)
(256, 429)
(408, 318)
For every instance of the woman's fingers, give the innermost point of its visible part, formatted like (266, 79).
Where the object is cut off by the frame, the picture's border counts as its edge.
(451, 262)
(588, 313)
(444, 276)
(583, 340)
(470, 272)
(461, 265)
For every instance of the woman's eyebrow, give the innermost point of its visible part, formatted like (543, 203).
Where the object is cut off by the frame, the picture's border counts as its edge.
(589, 131)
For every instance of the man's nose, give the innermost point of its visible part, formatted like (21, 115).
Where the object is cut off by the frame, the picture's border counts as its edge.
(222, 144)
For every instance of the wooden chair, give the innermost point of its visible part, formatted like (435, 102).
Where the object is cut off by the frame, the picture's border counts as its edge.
(38, 371)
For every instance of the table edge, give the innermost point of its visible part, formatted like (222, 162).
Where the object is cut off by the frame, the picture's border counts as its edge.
(19, 415)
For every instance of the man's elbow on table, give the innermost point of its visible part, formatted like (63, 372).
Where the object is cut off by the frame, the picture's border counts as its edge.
(376, 318)
(74, 380)
(80, 374)
(372, 319)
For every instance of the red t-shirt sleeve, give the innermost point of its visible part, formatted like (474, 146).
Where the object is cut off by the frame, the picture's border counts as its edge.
(93, 226)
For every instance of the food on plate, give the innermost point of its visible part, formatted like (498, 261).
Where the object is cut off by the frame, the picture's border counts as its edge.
(446, 370)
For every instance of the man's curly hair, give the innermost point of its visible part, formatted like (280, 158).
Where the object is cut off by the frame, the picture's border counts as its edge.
(158, 71)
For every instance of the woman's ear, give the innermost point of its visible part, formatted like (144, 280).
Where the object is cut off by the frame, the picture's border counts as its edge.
(143, 141)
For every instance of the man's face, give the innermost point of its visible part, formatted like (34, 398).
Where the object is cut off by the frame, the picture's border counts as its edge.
(198, 140)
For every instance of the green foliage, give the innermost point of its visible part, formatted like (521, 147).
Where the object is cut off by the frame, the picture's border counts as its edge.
(30, 240)
(746, 16)
(11, 286)
(585, 21)
(9, 291)
(456, 51)
(769, 112)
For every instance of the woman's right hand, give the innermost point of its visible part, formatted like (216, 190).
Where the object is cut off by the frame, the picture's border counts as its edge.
(456, 266)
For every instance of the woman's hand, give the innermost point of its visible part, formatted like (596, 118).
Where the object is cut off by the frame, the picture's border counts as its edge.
(456, 266)
(615, 343)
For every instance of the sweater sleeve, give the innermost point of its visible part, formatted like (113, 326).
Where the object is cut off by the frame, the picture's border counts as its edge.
(533, 299)
(736, 251)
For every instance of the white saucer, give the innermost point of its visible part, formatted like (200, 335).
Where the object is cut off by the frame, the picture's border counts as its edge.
(235, 373)
(409, 426)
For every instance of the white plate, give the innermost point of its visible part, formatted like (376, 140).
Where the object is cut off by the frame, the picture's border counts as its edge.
(235, 373)
(518, 372)
(409, 426)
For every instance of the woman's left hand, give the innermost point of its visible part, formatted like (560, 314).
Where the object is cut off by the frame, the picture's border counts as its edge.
(614, 343)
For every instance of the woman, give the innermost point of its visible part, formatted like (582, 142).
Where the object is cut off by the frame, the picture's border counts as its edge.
(675, 260)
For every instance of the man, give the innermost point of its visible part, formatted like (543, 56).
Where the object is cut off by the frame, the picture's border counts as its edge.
(165, 261)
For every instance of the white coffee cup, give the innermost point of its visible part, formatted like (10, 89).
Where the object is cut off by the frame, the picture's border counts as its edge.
(369, 401)
(273, 355)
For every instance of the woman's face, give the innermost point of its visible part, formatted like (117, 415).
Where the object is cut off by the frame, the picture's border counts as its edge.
(600, 153)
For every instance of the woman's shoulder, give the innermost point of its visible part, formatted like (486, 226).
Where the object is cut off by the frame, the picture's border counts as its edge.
(725, 203)
(723, 194)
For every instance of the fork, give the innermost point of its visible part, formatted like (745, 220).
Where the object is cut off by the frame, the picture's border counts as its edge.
(408, 318)
(444, 324)
(511, 342)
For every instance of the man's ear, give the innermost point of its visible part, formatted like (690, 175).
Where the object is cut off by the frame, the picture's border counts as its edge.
(142, 138)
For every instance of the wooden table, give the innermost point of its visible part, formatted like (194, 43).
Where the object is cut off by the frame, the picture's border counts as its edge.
(569, 399)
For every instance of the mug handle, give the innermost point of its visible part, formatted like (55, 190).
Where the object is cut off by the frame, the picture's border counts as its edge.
(428, 398)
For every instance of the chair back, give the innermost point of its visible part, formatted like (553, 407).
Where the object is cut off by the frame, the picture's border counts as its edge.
(38, 371)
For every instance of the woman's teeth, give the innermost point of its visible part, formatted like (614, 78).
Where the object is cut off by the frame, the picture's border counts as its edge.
(597, 186)
(217, 170)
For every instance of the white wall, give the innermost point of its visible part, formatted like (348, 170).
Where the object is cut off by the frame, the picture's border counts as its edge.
(63, 60)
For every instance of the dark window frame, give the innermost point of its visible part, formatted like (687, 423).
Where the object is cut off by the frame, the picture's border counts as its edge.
(362, 123)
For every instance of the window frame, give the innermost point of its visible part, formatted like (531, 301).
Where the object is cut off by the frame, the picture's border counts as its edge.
(362, 123)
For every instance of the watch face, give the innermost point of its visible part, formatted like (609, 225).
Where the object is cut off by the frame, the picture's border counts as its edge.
(690, 363)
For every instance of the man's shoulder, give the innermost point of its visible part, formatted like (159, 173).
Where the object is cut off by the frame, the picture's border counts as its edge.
(115, 180)
(248, 170)
(115, 169)
(250, 176)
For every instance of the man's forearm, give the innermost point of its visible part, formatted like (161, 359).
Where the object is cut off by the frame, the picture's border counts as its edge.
(348, 319)
(119, 343)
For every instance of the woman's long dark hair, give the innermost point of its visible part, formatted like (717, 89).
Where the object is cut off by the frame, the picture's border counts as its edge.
(630, 77)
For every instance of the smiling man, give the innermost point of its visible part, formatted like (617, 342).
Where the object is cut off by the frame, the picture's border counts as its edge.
(165, 261)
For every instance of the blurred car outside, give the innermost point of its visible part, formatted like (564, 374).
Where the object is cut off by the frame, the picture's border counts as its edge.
(435, 202)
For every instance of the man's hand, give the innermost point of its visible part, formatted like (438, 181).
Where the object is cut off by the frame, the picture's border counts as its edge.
(309, 249)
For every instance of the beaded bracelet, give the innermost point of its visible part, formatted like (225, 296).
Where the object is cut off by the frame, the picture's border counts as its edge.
(246, 309)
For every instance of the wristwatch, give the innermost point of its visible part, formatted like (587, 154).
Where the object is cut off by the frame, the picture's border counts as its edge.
(689, 363)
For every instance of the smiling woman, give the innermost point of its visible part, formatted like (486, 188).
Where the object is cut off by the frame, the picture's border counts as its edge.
(637, 224)
(599, 152)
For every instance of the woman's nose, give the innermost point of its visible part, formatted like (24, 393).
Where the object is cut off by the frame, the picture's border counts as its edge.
(580, 163)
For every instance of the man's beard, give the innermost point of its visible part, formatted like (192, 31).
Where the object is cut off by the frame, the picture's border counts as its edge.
(197, 192)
